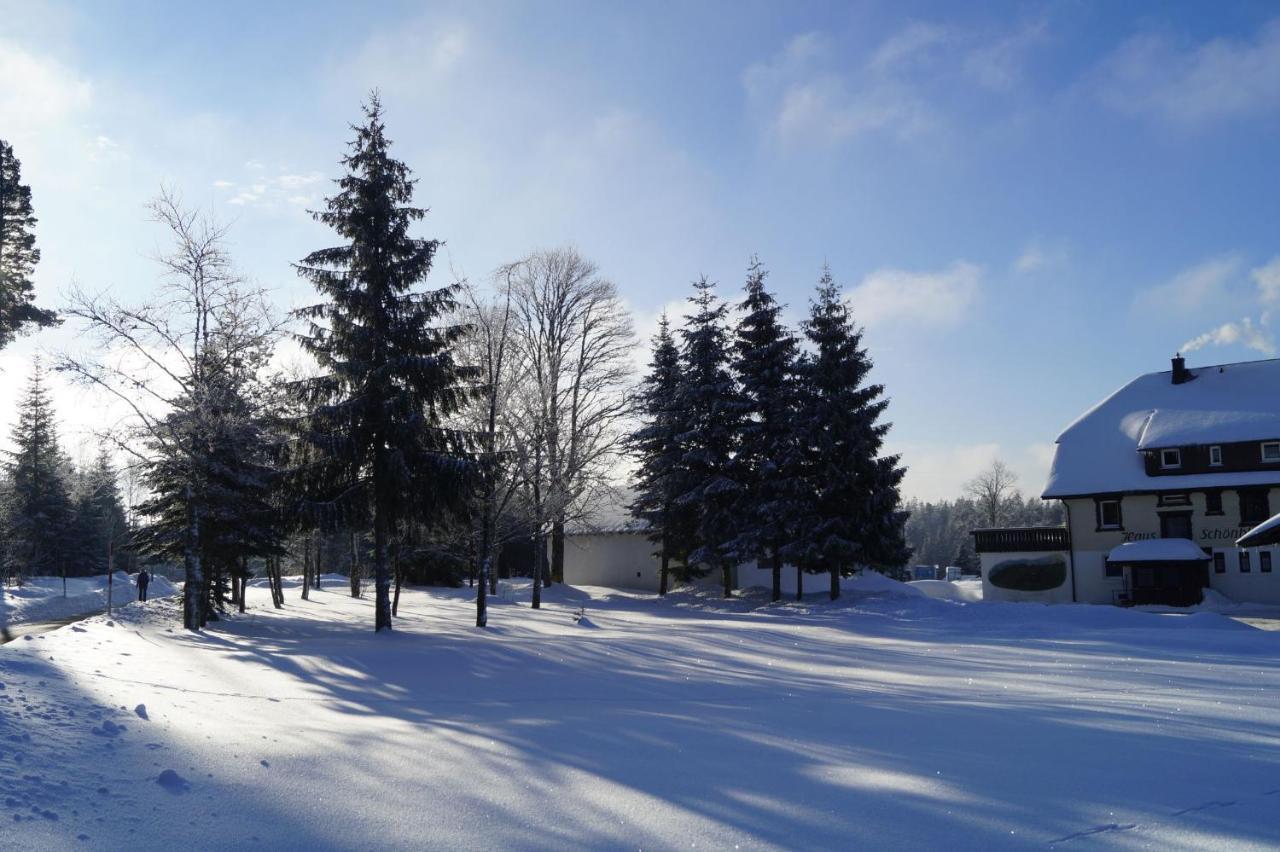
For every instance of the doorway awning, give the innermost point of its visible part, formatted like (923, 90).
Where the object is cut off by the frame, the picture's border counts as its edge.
(1156, 550)
(1265, 533)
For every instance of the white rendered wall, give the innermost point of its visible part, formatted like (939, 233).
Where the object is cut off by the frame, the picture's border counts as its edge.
(992, 592)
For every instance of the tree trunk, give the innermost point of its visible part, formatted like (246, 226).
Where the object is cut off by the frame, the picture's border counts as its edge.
(482, 595)
(799, 583)
(244, 580)
(776, 559)
(306, 568)
(662, 572)
(835, 582)
(539, 556)
(315, 564)
(395, 564)
(193, 589)
(557, 550)
(381, 573)
(355, 568)
(726, 574)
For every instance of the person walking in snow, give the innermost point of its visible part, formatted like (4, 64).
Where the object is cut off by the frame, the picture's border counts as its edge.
(143, 579)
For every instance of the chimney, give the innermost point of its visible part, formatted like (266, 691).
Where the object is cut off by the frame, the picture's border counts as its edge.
(1180, 372)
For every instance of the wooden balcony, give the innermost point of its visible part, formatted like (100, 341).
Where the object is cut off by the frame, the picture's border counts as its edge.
(1020, 539)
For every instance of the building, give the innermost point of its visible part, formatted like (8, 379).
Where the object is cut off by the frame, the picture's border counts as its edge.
(622, 557)
(1158, 481)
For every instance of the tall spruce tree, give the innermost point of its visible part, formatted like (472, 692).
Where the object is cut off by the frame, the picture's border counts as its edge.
(764, 361)
(39, 509)
(98, 518)
(711, 418)
(389, 379)
(18, 252)
(657, 448)
(850, 510)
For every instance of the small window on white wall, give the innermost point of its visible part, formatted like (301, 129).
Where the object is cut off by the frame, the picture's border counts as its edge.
(1109, 515)
(1271, 451)
(1215, 456)
(1173, 458)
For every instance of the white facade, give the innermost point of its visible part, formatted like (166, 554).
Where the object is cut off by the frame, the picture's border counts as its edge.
(1178, 455)
(623, 559)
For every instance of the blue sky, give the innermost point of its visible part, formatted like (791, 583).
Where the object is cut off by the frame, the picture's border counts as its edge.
(1028, 203)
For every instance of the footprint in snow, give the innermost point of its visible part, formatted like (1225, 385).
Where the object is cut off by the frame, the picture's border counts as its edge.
(141, 710)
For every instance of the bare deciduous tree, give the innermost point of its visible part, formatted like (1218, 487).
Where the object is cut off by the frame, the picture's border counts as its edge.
(990, 488)
(168, 362)
(574, 339)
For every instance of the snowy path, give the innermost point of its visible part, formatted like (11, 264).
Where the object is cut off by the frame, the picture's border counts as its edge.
(884, 722)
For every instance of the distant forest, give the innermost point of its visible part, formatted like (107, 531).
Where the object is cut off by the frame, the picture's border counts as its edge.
(938, 533)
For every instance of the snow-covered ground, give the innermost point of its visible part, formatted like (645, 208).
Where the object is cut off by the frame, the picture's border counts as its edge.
(887, 720)
(41, 598)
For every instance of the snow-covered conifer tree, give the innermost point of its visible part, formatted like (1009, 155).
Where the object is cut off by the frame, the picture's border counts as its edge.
(389, 381)
(764, 361)
(850, 512)
(657, 448)
(711, 420)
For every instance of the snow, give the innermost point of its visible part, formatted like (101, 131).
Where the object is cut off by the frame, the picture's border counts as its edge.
(884, 720)
(960, 591)
(1099, 452)
(1262, 535)
(1157, 550)
(40, 598)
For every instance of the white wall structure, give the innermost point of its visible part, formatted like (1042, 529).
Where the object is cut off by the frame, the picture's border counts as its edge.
(623, 559)
(618, 560)
(1029, 564)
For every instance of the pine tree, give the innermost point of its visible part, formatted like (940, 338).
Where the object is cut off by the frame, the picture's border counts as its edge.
(711, 416)
(39, 509)
(850, 500)
(764, 361)
(18, 252)
(389, 377)
(658, 451)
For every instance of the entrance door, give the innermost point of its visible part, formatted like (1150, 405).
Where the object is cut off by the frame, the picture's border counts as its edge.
(1169, 583)
(1176, 525)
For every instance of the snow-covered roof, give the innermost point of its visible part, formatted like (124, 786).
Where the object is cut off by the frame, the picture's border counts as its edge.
(1157, 550)
(1100, 451)
(1265, 533)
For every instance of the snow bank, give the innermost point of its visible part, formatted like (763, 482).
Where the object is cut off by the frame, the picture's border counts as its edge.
(41, 599)
(875, 583)
(943, 590)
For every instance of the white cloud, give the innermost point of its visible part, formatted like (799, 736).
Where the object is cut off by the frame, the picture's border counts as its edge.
(809, 94)
(1267, 278)
(299, 190)
(1037, 256)
(912, 45)
(1192, 289)
(928, 298)
(1246, 332)
(1194, 83)
(38, 91)
(998, 64)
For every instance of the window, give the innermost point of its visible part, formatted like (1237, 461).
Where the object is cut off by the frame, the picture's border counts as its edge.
(1219, 563)
(1176, 525)
(1215, 456)
(1213, 502)
(1271, 451)
(1244, 562)
(1173, 458)
(1109, 515)
(1181, 499)
(1254, 506)
(1264, 562)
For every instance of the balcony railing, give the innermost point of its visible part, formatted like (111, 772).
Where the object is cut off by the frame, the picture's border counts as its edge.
(1020, 539)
